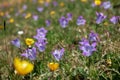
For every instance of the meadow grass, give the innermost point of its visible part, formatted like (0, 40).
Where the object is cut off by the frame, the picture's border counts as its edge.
(103, 64)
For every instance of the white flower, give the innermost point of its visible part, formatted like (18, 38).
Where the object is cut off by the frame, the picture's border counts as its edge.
(20, 32)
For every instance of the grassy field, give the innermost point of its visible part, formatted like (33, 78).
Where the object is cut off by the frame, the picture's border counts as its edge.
(82, 48)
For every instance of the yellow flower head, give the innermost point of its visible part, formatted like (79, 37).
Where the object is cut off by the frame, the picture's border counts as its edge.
(1, 27)
(29, 41)
(11, 20)
(48, 1)
(109, 62)
(97, 2)
(106, 23)
(41, 1)
(53, 66)
(62, 4)
(52, 13)
(1, 13)
(22, 67)
(83, 0)
(28, 15)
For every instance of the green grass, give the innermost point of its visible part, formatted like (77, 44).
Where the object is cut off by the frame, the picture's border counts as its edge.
(73, 66)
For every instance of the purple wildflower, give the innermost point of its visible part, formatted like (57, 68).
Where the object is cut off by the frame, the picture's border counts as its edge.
(100, 17)
(16, 42)
(30, 53)
(63, 22)
(35, 17)
(40, 36)
(47, 22)
(41, 33)
(81, 21)
(87, 48)
(24, 14)
(40, 9)
(24, 7)
(58, 54)
(93, 37)
(41, 45)
(46, 4)
(41, 39)
(93, 5)
(106, 5)
(41, 30)
(69, 16)
(114, 19)
(83, 41)
(55, 3)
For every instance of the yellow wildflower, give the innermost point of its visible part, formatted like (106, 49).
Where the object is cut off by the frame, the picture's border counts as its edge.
(41, 1)
(1, 13)
(106, 23)
(28, 15)
(29, 41)
(22, 67)
(1, 27)
(53, 66)
(83, 0)
(11, 20)
(52, 13)
(62, 4)
(48, 1)
(97, 2)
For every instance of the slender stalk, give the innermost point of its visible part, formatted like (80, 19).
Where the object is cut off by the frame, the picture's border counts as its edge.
(5, 41)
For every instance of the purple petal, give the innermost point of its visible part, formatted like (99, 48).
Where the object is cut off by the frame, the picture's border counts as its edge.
(114, 19)
(106, 5)
(35, 17)
(16, 42)
(94, 44)
(81, 21)
(40, 9)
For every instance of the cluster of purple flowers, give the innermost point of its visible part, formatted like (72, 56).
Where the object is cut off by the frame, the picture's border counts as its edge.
(64, 21)
(81, 21)
(101, 17)
(89, 46)
(29, 53)
(41, 39)
(58, 54)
